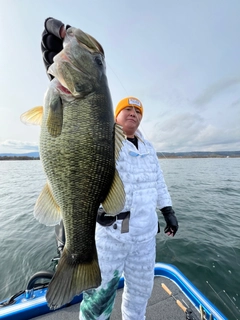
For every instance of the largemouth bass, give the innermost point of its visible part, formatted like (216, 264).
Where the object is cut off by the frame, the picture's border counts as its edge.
(78, 151)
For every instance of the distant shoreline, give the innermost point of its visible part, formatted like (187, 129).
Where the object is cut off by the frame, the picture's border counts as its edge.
(160, 155)
(6, 158)
(198, 154)
(18, 158)
(196, 157)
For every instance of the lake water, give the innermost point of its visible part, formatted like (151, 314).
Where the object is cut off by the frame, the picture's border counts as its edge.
(206, 199)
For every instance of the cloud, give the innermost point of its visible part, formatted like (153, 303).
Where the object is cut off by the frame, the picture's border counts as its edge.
(19, 145)
(214, 90)
(191, 132)
(235, 104)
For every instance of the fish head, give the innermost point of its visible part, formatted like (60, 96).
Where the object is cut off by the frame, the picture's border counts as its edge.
(80, 67)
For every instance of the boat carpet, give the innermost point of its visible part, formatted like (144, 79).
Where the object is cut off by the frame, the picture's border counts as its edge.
(161, 306)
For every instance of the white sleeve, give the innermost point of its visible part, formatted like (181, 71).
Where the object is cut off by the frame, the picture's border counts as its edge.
(164, 198)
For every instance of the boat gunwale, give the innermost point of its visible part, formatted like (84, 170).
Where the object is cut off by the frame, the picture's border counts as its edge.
(189, 289)
(36, 306)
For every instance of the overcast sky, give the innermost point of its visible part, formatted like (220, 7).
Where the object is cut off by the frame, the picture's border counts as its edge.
(181, 58)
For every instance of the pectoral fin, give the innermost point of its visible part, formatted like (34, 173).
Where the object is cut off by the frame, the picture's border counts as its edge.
(115, 200)
(46, 210)
(55, 117)
(33, 116)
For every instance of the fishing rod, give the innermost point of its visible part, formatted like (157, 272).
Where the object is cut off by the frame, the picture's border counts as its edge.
(190, 315)
(231, 310)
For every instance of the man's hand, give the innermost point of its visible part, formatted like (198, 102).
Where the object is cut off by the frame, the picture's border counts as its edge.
(171, 221)
(52, 41)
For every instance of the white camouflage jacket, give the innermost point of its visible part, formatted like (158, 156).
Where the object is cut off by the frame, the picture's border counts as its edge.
(145, 190)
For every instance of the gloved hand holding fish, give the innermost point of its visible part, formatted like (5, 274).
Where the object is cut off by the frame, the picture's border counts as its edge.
(79, 144)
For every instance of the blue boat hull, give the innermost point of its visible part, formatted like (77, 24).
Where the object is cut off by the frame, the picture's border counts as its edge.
(24, 308)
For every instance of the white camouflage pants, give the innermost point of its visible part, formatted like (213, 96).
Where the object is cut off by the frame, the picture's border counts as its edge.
(136, 262)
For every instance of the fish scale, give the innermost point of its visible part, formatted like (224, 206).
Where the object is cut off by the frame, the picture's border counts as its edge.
(78, 185)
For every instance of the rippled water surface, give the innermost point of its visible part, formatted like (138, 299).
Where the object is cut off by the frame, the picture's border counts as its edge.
(206, 199)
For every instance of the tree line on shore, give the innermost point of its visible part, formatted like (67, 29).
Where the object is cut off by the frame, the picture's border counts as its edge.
(199, 154)
(161, 155)
(18, 158)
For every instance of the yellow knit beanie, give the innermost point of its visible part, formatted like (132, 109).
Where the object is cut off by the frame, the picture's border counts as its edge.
(128, 102)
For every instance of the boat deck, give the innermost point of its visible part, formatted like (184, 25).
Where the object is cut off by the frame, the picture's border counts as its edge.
(161, 306)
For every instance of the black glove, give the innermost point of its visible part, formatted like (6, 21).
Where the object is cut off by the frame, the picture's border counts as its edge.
(52, 43)
(171, 221)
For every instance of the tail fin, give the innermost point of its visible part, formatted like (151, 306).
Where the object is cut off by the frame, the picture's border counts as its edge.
(71, 278)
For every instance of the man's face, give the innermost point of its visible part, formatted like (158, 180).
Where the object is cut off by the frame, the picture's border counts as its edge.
(129, 118)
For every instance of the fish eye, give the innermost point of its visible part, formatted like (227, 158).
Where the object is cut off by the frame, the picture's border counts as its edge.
(99, 61)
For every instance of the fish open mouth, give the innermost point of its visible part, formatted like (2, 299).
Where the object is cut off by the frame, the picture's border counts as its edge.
(63, 89)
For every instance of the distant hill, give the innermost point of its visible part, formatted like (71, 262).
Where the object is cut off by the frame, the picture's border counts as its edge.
(19, 156)
(199, 154)
(169, 155)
